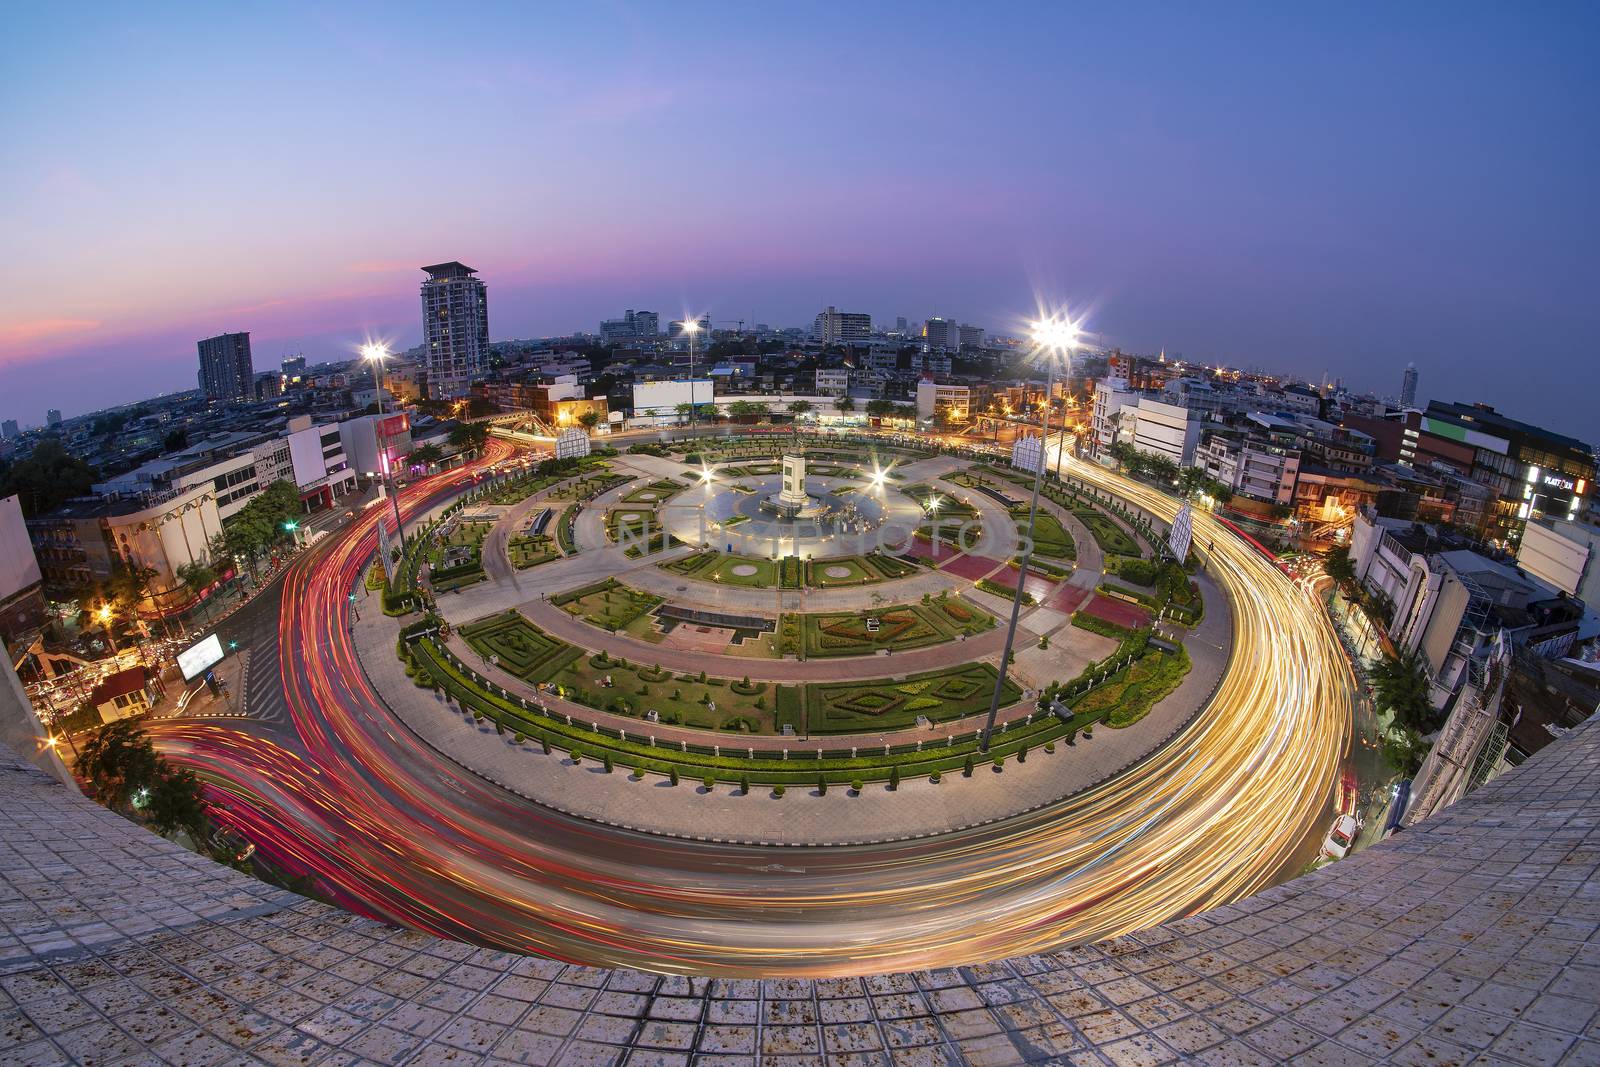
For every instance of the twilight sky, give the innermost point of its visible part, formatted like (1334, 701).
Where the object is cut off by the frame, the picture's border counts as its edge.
(1337, 190)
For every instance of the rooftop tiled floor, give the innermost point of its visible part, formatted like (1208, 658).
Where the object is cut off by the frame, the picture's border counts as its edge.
(1472, 938)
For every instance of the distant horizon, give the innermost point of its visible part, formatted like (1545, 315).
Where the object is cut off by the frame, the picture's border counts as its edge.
(1311, 191)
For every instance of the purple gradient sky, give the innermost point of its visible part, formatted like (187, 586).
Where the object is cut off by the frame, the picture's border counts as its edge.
(1334, 190)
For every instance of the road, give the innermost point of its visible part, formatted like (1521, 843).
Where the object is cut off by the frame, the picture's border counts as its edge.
(389, 828)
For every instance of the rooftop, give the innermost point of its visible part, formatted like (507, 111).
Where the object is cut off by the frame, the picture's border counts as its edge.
(1474, 932)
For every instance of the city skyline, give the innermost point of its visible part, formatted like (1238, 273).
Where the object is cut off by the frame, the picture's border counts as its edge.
(1217, 185)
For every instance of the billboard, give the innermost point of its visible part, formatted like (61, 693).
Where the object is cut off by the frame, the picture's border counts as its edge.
(199, 658)
(663, 398)
(572, 444)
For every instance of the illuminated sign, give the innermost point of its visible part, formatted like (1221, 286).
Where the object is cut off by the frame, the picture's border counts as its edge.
(199, 658)
(1558, 482)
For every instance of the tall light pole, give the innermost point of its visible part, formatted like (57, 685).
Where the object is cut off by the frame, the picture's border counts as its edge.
(691, 327)
(376, 354)
(1055, 338)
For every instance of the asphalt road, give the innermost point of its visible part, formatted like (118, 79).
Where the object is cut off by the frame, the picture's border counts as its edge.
(390, 828)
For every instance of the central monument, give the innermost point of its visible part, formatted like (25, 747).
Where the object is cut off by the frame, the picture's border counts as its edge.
(792, 501)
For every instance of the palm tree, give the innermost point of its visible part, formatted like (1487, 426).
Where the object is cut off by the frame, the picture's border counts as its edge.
(426, 456)
(845, 404)
(684, 411)
(1401, 684)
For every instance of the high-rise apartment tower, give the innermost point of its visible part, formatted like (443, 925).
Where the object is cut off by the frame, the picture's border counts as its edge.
(455, 329)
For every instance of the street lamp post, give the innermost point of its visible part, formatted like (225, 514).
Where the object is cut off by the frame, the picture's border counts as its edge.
(376, 354)
(1055, 337)
(691, 327)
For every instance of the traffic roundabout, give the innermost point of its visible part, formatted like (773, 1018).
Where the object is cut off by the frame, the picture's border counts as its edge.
(1210, 812)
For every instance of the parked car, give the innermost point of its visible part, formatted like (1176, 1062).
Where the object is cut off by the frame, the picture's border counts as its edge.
(1341, 835)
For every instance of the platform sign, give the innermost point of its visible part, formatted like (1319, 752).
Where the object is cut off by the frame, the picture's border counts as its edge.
(200, 657)
(1181, 534)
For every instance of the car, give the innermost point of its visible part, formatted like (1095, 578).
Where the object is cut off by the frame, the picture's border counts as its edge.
(1341, 835)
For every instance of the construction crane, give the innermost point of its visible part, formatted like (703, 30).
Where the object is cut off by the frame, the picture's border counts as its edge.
(738, 324)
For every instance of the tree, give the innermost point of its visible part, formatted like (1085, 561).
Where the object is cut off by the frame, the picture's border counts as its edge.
(468, 436)
(589, 420)
(1192, 480)
(426, 456)
(175, 801)
(175, 441)
(800, 407)
(1336, 564)
(197, 577)
(845, 404)
(46, 479)
(1401, 684)
(118, 761)
(1162, 468)
(1123, 452)
(880, 409)
(684, 410)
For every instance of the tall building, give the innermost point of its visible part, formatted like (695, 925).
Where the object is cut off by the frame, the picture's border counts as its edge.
(1408, 387)
(646, 324)
(455, 328)
(900, 324)
(226, 372)
(9, 429)
(293, 367)
(970, 335)
(52, 417)
(832, 326)
(941, 333)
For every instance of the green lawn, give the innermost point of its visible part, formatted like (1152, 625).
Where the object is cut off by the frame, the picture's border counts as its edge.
(1050, 538)
(430, 667)
(521, 648)
(850, 707)
(609, 605)
(467, 535)
(719, 567)
(1111, 537)
(905, 626)
(530, 551)
(654, 493)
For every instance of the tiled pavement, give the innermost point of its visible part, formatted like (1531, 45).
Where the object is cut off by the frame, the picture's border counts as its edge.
(1474, 937)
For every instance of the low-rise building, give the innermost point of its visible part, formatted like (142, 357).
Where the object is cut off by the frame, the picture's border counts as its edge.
(122, 695)
(1162, 429)
(833, 382)
(947, 403)
(1450, 603)
(82, 543)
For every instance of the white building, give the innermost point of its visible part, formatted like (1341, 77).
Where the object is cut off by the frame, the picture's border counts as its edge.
(1162, 429)
(455, 329)
(833, 382)
(1111, 395)
(952, 402)
(1257, 470)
